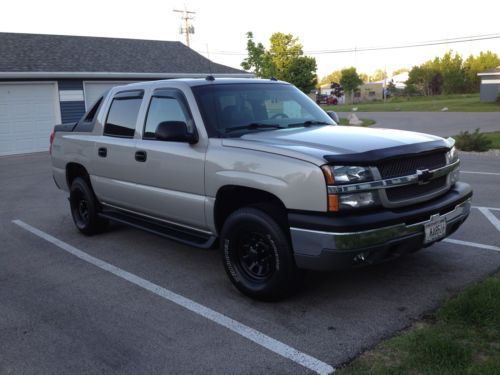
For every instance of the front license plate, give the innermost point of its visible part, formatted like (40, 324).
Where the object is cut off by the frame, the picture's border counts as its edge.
(435, 229)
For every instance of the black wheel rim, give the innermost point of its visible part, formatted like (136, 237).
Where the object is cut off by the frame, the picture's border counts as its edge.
(80, 206)
(257, 256)
(83, 209)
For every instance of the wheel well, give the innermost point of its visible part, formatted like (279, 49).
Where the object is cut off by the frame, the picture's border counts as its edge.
(74, 170)
(232, 198)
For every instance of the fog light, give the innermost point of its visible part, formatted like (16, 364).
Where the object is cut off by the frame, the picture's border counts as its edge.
(454, 176)
(358, 200)
(361, 257)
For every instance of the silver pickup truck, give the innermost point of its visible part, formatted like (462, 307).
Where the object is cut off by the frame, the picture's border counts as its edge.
(258, 169)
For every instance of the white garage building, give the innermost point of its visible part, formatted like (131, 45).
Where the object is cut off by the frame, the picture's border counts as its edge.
(51, 79)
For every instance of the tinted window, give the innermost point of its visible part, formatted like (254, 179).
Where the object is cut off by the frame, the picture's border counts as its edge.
(165, 109)
(235, 105)
(122, 116)
(90, 115)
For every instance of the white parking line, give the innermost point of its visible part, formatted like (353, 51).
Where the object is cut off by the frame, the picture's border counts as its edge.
(488, 208)
(472, 244)
(485, 173)
(251, 334)
(492, 218)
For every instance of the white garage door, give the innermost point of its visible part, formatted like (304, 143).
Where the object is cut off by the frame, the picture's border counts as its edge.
(94, 90)
(28, 112)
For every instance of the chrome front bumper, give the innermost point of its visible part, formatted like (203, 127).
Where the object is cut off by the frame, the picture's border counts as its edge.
(312, 243)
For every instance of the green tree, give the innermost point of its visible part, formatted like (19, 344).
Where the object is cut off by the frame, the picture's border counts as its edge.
(399, 71)
(283, 60)
(301, 72)
(378, 75)
(332, 77)
(422, 79)
(476, 64)
(364, 77)
(350, 81)
(451, 69)
(259, 60)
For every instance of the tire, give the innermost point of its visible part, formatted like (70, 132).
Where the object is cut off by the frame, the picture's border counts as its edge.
(257, 255)
(85, 208)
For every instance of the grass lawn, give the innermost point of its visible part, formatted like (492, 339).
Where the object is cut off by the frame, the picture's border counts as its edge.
(366, 121)
(454, 103)
(462, 337)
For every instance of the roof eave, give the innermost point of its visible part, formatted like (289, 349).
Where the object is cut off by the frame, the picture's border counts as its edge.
(116, 75)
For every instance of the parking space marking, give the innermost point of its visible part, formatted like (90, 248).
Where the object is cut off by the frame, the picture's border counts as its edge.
(488, 208)
(241, 329)
(485, 173)
(472, 244)
(491, 218)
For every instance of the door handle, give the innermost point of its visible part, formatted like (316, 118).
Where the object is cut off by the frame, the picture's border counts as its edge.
(141, 156)
(102, 152)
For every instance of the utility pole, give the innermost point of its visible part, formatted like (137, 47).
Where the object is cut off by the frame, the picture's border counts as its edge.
(187, 28)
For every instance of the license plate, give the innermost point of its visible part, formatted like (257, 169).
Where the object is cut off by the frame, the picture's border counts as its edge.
(435, 229)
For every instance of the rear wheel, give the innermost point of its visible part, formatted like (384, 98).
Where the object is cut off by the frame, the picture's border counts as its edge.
(257, 255)
(85, 208)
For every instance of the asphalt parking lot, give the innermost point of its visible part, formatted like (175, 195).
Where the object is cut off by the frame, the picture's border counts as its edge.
(132, 302)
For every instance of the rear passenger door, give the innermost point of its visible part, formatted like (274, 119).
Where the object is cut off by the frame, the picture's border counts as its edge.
(171, 173)
(112, 179)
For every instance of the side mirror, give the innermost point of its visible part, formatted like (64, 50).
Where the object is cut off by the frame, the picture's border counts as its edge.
(333, 115)
(175, 131)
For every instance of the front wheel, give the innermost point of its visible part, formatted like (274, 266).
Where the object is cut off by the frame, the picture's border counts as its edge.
(85, 208)
(257, 255)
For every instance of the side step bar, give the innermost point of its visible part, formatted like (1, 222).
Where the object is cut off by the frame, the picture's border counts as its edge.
(170, 231)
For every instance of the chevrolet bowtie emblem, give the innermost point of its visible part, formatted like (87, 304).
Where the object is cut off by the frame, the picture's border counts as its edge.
(423, 176)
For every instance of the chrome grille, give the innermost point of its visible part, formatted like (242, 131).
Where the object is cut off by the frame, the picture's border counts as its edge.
(413, 193)
(415, 190)
(408, 166)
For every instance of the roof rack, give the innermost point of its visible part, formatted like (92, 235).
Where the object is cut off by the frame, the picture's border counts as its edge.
(210, 78)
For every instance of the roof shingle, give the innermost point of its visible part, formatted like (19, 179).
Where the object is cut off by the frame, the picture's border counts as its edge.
(61, 53)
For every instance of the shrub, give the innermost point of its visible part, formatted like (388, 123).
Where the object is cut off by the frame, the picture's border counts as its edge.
(476, 141)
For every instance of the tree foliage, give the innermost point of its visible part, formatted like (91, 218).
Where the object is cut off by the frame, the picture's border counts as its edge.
(450, 74)
(332, 77)
(350, 80)
(364, 77)
(476, 64)
(283, 60)
(399, 71)
(378, 75)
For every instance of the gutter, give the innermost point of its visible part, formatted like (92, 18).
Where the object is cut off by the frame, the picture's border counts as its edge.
(118, 75)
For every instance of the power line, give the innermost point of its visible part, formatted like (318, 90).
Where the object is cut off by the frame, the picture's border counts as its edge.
(420, 44)
(472, 38)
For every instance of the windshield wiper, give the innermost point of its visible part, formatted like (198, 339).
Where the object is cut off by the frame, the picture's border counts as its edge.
(308, 123)
(254, 125)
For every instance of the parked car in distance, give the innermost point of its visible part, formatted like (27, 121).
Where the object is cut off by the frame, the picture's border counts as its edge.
(326, 99)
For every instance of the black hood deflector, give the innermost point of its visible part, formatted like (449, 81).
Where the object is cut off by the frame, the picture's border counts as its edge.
(374, 157)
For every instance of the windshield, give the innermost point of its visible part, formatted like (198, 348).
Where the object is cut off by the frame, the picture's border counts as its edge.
(230, 110)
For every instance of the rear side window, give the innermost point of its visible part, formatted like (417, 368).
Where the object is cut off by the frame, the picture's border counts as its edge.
(122, 115)
(90, 115)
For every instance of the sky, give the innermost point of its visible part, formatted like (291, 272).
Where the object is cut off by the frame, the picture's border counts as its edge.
(221, 26)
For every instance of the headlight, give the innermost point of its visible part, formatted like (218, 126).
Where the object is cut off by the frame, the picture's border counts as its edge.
(452, 155)
(341, 175)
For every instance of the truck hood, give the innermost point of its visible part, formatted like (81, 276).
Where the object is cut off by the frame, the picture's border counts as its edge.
(338, 143)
